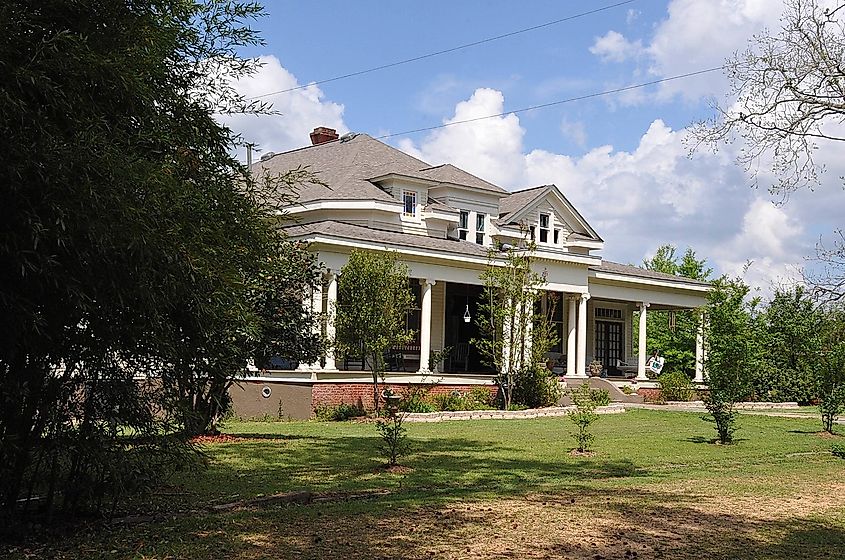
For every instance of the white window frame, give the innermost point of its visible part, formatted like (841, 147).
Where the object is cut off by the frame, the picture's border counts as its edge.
(463, 225)
(480, 220)
(545, 229)
(405, 212)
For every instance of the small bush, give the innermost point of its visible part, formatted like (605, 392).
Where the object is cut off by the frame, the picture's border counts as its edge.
(600, 397)
(478, 398)
(338, 413)
(415, 399)
(536, 387)
(838, 450)
(676, 386)
(515, 406)
(583, 416)
(627, 390)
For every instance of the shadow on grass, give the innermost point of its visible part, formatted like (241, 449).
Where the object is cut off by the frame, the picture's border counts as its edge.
(576, 523)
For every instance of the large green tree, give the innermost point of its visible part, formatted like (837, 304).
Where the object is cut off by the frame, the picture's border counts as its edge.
(373, 301)
(789, 329)
(676, 343)
(131, 240)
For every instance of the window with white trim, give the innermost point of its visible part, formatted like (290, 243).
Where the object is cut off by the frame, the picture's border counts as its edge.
(545, 220)
(463, 225)
(479, 228)
(557, 236)
(409, 199)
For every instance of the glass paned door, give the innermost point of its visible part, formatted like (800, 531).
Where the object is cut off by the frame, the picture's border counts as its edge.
(609, 340)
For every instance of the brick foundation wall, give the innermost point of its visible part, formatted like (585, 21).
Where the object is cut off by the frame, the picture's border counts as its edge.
(332, 394)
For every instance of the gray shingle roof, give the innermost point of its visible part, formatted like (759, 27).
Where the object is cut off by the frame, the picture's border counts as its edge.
(448, 173)
(356, 232)
(519, 200)
(629, 270)
(346, 166)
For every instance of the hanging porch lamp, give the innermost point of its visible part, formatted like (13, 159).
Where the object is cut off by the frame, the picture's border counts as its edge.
(467, 316)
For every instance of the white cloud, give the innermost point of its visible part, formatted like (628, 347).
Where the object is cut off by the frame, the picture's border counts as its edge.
(301, 110)
(699, 34)
(614, 47)
(653, 194)
(490, 147)
(574, 131)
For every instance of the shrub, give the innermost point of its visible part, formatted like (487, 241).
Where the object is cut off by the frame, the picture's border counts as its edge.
(583, 416)
(676, 386)
(627, 390)
(536, 387)
(478, 398)
(600, 397)
(838, 450)
(338, 413)
(415, 399)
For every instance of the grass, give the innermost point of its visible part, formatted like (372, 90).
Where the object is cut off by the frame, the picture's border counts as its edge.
(656, 487)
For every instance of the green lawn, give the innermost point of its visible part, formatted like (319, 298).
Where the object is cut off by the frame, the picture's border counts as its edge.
(656, 487)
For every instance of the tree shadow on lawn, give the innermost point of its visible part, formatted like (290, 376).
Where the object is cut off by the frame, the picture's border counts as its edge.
(579, 522)
(449, 466)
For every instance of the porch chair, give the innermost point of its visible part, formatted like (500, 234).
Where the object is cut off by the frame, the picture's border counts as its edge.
(459, 354)
(629, 368)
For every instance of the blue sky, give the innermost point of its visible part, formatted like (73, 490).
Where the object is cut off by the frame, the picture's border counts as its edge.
(621, 159)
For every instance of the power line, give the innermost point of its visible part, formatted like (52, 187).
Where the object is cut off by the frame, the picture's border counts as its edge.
(445, 51)
(553, 103)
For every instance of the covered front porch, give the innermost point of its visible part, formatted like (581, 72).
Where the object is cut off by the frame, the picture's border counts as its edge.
(597, 324)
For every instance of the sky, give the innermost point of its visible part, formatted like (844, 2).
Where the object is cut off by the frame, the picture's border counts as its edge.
(621, 159)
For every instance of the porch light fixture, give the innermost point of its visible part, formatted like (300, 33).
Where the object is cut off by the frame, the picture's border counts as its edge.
(467, 316)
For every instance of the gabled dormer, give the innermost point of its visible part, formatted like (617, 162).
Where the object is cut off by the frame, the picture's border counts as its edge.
(544, 215)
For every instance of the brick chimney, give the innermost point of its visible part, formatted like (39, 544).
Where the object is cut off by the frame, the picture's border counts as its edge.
(321, 134)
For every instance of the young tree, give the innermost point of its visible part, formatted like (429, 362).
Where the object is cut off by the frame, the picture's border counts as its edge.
(830, 368)
(676, 344)
(732, 351)
(515, 333)
(373, 302)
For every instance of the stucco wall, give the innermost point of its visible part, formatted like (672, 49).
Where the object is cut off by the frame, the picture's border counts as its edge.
(286, 400)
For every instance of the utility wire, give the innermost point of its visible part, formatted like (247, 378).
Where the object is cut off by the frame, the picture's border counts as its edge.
(553, 103)
(445, 51)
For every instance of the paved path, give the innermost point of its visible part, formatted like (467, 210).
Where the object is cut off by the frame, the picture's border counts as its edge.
(687, 408)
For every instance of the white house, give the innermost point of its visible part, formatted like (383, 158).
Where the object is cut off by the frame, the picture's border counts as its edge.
(443, 222)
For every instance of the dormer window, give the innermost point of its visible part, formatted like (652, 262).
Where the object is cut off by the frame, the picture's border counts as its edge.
(463, 225)
(545, 220)
(409, 199)
(479, 228)
(557, 236)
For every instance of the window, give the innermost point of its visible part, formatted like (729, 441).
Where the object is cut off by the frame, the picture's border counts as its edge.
(479, 228)
(557, 236)
(463, 225)
(544, 227)
(607, 313)
(409, 199)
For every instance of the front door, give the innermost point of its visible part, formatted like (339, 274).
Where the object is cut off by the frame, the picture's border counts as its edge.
(609, 343)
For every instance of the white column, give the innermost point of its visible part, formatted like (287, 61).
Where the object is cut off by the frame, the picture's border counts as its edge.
(425, 325)
(699, 351)
(331, 310)
(641, 376)
(315, 304)
(528, 310)
(570, 336)
(581, 355)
